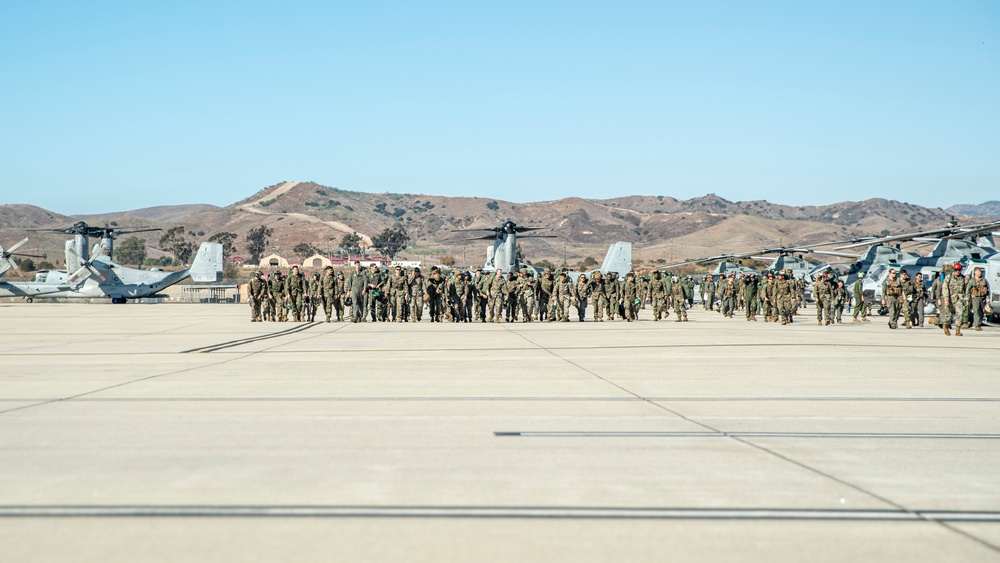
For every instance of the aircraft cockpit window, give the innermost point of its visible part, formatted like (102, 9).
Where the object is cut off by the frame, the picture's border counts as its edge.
(40, 277)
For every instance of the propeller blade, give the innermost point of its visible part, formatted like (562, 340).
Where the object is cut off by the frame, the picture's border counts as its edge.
(526, 229)
(494, 230)
(538, 236)
(15, 247)
(96, 272)
(80, 275)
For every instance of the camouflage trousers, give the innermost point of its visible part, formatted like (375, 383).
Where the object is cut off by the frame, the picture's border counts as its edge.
(581, 308)
(954, 313)
(280, 309)
(527, 303)
(680, 307)
(659, 305)
(564, 305)
(416, 307)
(786, 308)
(600, 305)
(556, 309)
(496, 307)
(767, 309)
(630, 311)
(399, 307)
(254, 309)
(267, 309)
(297, 303)
(824, 306)
(612, 308)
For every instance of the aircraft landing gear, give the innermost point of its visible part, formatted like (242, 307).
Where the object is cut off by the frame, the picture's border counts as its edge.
(118, 300)
(29, 300)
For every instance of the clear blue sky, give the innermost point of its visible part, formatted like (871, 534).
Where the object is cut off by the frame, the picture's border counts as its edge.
(119, 105)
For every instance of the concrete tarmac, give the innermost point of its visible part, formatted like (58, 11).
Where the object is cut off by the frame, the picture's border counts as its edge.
(184, 432)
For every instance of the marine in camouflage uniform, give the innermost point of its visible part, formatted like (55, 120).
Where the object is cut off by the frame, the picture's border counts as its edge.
(527, 288)
(892, 293)
(434, 294)
(613, 292)
(545, 286)
(953, 299)
(582, 295)
(562, 294)
(978, 290)
(257, 292)
(497, 293)
(658, 295)
(785, 292)
(906, 301)
(728, 286)
(313, 291)
(399, 287)
(277, 286)
(630, 293)
(328, 291)
(679, 300)
(599, 296)
(295, 291)
(417, 291)
(840, 300)
(769, 299)
(510, 298)
(823, 294)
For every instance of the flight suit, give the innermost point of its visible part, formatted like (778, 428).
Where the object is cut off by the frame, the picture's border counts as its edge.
(295, 289)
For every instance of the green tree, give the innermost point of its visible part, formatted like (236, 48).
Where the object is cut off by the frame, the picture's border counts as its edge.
(351, 243)
(176, 242)
(492, 206)
(131, 251)
(257, 240)
(27, 265)
(448, 260)
(391, 241)
(228, 242)
(304, 250)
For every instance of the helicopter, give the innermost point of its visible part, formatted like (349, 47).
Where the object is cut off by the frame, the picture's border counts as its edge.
(87, 277)
(967, 245)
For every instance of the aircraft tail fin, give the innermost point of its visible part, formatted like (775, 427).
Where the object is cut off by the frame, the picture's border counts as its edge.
(618, 259)
(207, 265)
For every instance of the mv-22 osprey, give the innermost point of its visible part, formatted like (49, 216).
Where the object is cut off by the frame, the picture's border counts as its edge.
(86, 277)
(502, 254)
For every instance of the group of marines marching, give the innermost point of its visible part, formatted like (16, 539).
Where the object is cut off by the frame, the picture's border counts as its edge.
(377, 295)
(400, 296)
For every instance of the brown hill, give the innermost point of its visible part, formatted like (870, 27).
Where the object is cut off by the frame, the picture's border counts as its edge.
(660, 227)
(161, 213)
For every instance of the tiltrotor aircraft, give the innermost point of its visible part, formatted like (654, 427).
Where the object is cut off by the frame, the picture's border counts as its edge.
(102, 277)
(502, 254)
(7, 257)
